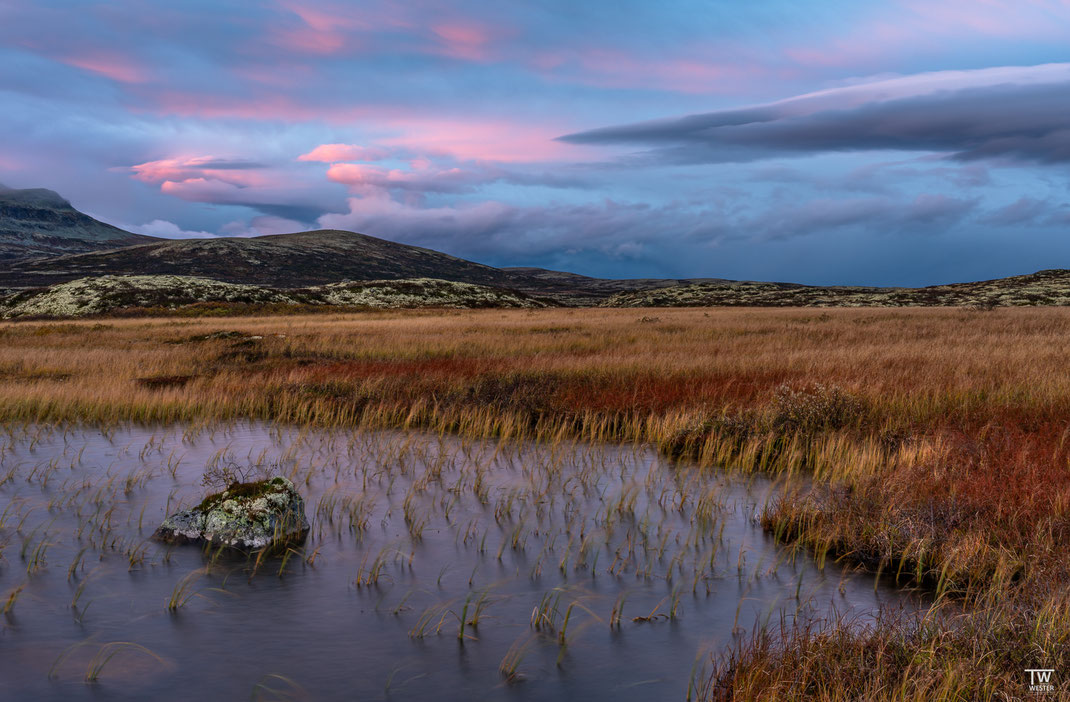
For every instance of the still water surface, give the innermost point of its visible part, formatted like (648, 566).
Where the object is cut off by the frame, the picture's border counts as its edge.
(655, 566)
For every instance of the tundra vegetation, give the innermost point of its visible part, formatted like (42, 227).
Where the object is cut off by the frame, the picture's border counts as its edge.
(936, 440)
(141, 295)
(1043, 288)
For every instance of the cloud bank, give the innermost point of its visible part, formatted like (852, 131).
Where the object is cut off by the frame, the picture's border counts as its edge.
(1013, 112)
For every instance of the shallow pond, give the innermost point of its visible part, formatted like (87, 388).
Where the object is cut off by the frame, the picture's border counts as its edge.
(579, 572)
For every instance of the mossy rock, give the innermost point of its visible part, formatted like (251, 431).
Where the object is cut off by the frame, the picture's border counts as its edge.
(261, 514)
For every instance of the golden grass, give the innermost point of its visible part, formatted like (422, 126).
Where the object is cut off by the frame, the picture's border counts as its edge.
(939, 437)
(916, 366)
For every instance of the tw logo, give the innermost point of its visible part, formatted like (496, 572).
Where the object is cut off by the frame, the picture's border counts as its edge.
(1040, 680)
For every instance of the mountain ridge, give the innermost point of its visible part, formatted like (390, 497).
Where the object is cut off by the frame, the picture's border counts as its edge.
(38, 223)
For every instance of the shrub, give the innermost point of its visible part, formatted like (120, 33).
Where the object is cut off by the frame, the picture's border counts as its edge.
(814, 407)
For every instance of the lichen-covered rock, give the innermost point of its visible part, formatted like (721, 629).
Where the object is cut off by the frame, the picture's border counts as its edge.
(245, 515)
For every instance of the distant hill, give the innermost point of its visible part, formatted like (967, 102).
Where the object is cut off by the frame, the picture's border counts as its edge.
(283, 260)
(36, 223)
(581, 289)
(1051, 287)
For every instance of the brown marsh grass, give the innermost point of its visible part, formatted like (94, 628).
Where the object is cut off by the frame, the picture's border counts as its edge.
(938, 437)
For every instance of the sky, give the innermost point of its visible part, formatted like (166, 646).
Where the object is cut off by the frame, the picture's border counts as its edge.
(899, 142)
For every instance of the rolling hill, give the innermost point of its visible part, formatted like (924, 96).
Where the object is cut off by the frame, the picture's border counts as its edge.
(1050, 287)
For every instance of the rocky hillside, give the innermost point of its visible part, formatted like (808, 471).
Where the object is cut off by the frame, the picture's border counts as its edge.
(35, 223)
(109, 294)
(1042, 288)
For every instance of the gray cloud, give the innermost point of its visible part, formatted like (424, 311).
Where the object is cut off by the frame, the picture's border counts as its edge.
(1024, 211)
(223, 164)
(1029, 212)
(1007, 113)
(925, 214)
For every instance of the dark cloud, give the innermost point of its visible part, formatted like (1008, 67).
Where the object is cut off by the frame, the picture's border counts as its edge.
(302, 204)
(925, 214)
(1018, 114)
(548, 234)
(671, 237)
(306, 214)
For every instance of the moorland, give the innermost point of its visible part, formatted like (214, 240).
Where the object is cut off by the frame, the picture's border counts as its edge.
(935, 439)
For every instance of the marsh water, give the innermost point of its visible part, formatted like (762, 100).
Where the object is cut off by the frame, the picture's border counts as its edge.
(580, 572)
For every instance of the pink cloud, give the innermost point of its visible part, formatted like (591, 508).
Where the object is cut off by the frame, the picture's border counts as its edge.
(331, 28)
(221, 192)
(910, 26)
(480, 140)
(333, 153)
(469, 34)
(198, 189)
(465, 40)
(320, 32)
(328, 16)
(614, 68)
(412, 185)
(308, 40)
(355, 174)
(318, 19)
(110, 65)
(365, 179)
(284, 197)
(1012, 19)
(273, 106)
(184, 169)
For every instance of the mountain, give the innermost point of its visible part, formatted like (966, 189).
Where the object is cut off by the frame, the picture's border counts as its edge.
(36, 223)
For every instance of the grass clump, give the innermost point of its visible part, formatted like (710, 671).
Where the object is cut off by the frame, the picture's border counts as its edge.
(950, 654)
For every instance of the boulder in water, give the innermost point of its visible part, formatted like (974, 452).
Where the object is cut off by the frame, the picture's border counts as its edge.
(245, 515)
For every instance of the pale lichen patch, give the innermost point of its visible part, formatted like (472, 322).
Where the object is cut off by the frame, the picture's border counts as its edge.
(106, 294)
